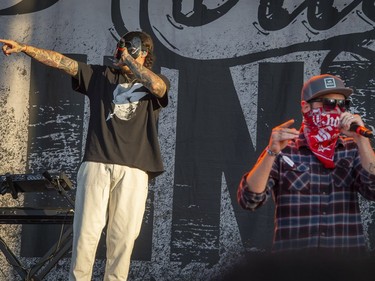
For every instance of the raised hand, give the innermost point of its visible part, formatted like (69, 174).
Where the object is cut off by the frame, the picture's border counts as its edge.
(281, 135)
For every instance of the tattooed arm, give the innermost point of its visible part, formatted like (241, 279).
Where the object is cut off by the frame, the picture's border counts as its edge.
(47, 57)
(366, 153)
(365, 149)
(146, 76)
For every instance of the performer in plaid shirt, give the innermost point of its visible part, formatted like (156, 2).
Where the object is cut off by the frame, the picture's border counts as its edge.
(315, 174)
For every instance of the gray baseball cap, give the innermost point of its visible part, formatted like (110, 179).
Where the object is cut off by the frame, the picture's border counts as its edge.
(323, 84)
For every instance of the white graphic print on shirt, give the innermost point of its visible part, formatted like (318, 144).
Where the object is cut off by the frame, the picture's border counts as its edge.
(126, 98)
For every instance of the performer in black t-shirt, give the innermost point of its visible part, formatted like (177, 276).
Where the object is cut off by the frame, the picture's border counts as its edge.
(122, 149)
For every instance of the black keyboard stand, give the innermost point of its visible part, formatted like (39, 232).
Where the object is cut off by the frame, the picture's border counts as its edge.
(59, 249)
(46, 263)
(12, 259)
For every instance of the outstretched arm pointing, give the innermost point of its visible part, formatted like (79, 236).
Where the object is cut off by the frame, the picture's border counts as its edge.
(47, 57)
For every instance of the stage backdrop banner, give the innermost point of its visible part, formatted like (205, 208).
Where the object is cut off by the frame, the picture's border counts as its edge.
(236, 69)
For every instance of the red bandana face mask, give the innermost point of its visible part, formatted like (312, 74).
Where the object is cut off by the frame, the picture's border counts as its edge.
(321, 130)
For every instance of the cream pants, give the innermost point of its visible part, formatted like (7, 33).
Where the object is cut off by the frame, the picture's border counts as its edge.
(107, 194)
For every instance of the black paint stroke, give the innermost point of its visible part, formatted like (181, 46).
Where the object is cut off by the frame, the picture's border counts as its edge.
(117, 20)
(321, 15)
(27, 7)
(200, 15)
(272, 15)
(368, 8)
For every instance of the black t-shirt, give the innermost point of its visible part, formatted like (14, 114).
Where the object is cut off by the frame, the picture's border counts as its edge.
(123, 119)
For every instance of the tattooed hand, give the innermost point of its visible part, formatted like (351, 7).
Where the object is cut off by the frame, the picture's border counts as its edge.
(11, 47)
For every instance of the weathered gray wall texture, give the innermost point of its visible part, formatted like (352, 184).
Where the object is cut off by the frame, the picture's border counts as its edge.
(236, 68)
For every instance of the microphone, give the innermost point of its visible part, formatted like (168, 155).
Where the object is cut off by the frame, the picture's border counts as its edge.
(360, 130)
(120, 48)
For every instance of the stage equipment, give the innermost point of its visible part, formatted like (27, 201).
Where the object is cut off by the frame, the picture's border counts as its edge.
(45, 182)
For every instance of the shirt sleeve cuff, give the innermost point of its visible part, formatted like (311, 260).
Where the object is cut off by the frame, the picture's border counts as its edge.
(247, 199)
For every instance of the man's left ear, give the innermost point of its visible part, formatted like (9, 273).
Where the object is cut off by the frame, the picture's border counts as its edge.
(144, 53)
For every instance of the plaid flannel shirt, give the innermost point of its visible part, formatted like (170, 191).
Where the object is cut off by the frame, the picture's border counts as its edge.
(316, 207)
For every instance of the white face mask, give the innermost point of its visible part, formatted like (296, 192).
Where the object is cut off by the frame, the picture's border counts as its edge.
(134, 46)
